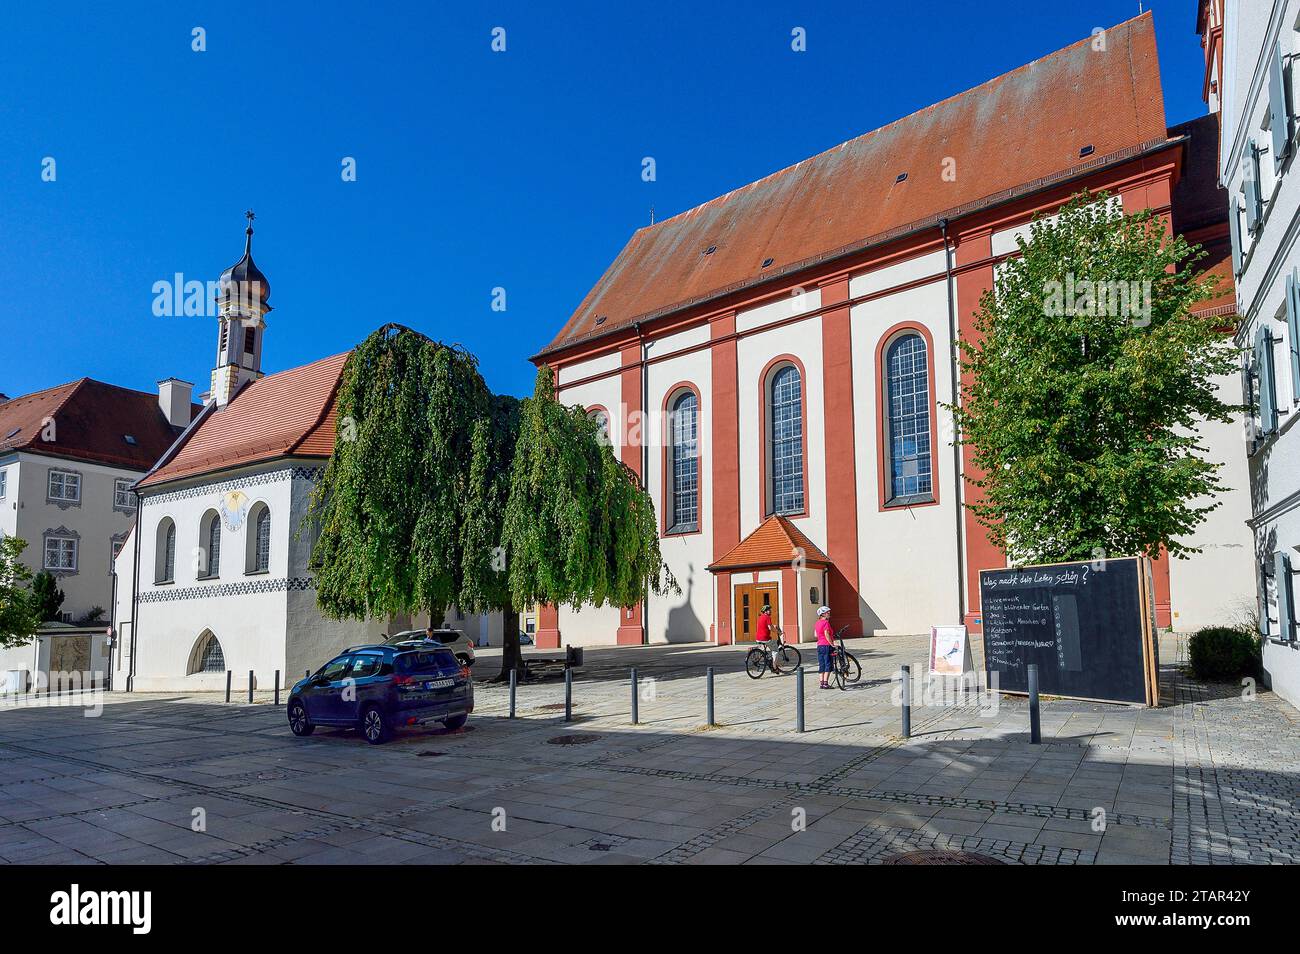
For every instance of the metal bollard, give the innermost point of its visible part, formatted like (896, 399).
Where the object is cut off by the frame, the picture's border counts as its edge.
(635, 698)
(228, 675)
(250, 687)
(907, 702)
(513, 684)
(277, 687)
(708, 677)
(568, 695)
(798, 699)
(1035, 730)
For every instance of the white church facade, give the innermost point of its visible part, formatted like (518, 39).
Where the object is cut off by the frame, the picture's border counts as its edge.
(774, 363)
(216, 574)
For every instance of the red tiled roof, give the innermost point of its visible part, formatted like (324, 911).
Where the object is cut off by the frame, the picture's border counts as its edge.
(287, 414)
(776, 542)
(1008, 134)
(91, 422)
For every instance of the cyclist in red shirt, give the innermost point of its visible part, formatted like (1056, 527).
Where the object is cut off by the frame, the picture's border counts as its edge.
(763, 634)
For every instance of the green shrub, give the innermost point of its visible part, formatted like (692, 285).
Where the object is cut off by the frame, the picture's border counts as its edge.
(1223, 652)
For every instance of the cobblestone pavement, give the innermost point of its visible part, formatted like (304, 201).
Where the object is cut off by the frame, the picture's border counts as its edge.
(1209, 778)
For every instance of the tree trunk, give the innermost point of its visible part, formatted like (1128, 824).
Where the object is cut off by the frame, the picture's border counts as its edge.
(511, 657)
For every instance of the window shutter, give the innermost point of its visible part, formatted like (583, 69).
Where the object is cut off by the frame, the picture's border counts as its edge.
(1279, 109)
(1234, 229)
(1262, 571)
(1285, 597)
(1264, 368)
(1254, 207)
(1293, 330)
(1248, 401)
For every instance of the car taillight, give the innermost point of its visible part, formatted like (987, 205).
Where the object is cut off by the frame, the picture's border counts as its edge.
(403, 680)
(464, 671)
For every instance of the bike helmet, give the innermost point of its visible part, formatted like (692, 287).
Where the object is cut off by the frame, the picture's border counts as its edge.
(824, 611)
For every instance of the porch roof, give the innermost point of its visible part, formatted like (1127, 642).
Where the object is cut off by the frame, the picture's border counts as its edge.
(776, 542)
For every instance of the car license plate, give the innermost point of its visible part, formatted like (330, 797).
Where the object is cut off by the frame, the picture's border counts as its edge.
(439, 684)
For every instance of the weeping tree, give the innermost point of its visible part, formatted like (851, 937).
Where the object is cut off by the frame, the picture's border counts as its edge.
(440, 493)
(579, 528)
(1086, 383)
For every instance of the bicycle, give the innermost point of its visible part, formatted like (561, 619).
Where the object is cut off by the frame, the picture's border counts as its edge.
(844, 665)
(760, 659)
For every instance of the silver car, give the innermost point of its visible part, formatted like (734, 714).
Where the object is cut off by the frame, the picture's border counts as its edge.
(455, 640)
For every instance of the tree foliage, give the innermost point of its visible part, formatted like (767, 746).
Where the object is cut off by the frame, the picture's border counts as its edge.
(579, 527)
(20, 614)
(48, 597)
(1084, 386)
(439, 492)
(401, 523)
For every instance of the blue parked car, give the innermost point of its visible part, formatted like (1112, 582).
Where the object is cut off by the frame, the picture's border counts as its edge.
(376, 689)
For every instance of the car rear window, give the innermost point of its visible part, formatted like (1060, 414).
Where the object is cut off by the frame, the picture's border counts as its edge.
(425, 660)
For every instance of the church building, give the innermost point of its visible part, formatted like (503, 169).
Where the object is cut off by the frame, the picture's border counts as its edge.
(774, 363)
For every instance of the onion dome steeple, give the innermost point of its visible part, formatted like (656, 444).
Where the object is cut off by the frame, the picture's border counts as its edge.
(243, 295)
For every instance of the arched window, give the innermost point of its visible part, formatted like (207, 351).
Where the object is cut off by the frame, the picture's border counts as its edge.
(206, 656)
(601, 417)
(785, 441)
(164, 558)
(684, 489)
(907, 409)
(210, 542)
(257, 557)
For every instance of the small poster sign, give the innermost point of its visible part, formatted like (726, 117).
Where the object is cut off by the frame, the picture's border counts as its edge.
(949, 651)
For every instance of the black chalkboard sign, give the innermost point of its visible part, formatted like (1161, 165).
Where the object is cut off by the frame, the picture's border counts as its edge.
(1089, 626)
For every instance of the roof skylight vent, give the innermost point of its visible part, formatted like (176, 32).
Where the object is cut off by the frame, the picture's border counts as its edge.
(600, 319)
(129, 438)
(1087, 150)
(12, 433)
(767, 262)
(901, 177)
(710, 250)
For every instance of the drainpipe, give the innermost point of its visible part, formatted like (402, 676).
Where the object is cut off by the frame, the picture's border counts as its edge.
(135, 593)
(645, 466)
(955, 369)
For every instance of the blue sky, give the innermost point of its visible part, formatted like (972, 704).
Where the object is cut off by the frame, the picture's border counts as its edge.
(475, 169)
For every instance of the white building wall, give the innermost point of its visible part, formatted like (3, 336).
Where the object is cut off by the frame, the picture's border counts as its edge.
(908, 568)
(803, 340)
(247, 612)
(93, 521)
(1269, 254)
(683, 617)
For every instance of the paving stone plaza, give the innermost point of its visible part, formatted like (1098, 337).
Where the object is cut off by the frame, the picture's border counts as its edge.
(1208, 778)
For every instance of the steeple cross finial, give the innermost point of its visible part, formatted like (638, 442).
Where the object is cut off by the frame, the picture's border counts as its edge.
(250, 215)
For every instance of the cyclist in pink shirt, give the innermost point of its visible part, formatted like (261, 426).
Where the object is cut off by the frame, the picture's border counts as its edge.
(825, 642)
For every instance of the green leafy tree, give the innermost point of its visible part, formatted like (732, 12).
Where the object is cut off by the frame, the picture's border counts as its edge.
(49, 598)
(20, 615)
(1085, 383)
(409, 515)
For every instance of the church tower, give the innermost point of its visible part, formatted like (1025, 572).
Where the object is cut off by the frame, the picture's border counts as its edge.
(242, 296)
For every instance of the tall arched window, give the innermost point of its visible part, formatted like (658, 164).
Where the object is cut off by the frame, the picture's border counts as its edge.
(785, 443)
(601, 417)
(907, 394)
(257, 555)
(684, 437)
(164, 558)
(262, 559)
(210, 541)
